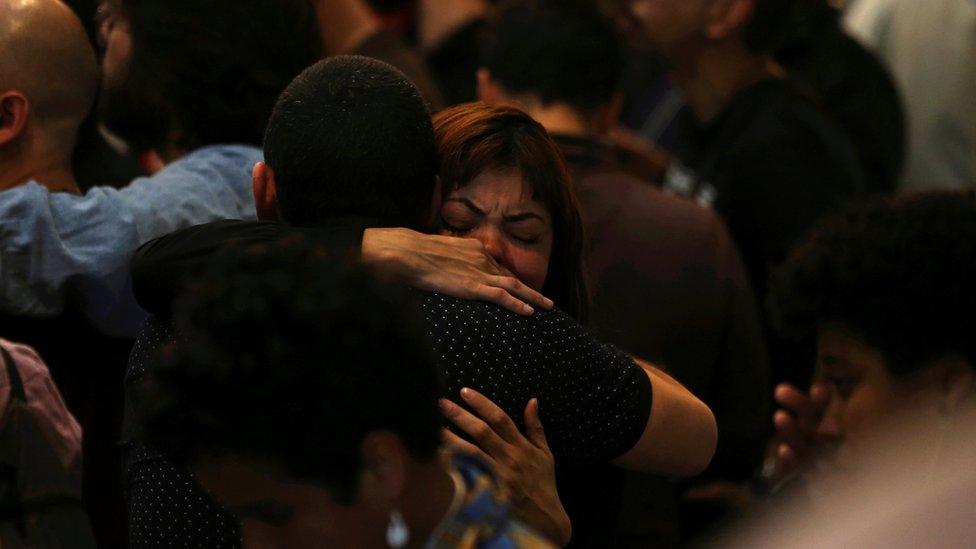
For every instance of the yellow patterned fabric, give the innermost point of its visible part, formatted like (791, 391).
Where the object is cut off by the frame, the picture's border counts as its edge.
(484, 520)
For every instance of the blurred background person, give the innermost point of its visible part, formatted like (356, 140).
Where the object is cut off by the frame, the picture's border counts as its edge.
(342, 448)
(760, 151)
(854, 88)
(879, 450)
(43, 104)
(887, 292)
(930, 48)
(40, 457)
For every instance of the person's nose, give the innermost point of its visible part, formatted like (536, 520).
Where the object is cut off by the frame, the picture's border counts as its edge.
(829, 429)
(494, 244)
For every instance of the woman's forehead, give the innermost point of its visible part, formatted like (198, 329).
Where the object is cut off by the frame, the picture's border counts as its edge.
(505, 188)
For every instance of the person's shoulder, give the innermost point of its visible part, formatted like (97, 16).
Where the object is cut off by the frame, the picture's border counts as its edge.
(785, 105)
(642, 210)
(222, 153)
(212, 164)
(31, 189)
(465, 314)
(787, 129)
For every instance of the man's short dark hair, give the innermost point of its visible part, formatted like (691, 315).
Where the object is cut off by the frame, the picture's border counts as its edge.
(769, 27)
(290, 358)
(567, 52)
(899, 273)
(351, 136)
(208, 72)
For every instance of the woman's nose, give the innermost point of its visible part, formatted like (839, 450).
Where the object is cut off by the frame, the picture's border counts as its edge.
(494, 244)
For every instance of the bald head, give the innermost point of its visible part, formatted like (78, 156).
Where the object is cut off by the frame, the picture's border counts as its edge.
(46, 56)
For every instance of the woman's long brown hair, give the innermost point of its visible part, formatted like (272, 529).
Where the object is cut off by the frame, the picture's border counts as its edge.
(475, 137)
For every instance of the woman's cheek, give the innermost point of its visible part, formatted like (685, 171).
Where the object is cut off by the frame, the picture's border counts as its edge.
(531, 267)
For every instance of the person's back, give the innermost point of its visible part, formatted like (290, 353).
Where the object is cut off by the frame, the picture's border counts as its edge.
(930, 48)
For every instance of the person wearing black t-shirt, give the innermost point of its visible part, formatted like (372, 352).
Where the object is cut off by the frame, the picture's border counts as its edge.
(760, 152)
(595, 401)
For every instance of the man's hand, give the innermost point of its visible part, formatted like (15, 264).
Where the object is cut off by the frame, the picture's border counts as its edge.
(525, 465)
(457, 267)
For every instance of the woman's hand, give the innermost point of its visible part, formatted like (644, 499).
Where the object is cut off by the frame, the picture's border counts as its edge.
(457, 267)
(524, 464)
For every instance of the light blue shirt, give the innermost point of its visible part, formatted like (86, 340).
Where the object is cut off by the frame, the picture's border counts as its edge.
(56, 245)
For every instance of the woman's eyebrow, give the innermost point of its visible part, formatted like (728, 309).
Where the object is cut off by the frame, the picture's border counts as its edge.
(471, 205)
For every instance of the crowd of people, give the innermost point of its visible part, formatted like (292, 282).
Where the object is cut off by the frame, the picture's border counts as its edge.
(486, 274)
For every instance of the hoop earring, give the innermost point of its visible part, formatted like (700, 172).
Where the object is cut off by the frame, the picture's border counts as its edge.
(397, 532)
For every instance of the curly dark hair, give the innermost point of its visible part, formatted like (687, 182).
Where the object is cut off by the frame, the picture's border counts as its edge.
(900, 273)
(206, 72)
(292, 358)
(351, 136)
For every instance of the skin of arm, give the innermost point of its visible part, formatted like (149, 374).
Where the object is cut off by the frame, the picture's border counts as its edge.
(679, 440)
(681, 433)
(344, 24)
(453, 266)
(439, 19)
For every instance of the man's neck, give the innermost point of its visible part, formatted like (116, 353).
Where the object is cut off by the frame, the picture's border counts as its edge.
(559, 118)
(56, 177)
(712, 79)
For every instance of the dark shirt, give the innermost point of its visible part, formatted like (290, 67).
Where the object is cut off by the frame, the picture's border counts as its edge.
(771, 164)
(854, 87)
(594, 400)
(668, 286)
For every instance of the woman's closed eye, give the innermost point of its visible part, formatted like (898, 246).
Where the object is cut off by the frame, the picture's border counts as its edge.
(458, 229)
(526, 237)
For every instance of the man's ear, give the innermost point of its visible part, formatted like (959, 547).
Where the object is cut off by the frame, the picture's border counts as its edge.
(14, 111)
(726, 18)
(383, 476)
(265, 192)
(957, 378)
(488, 90)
